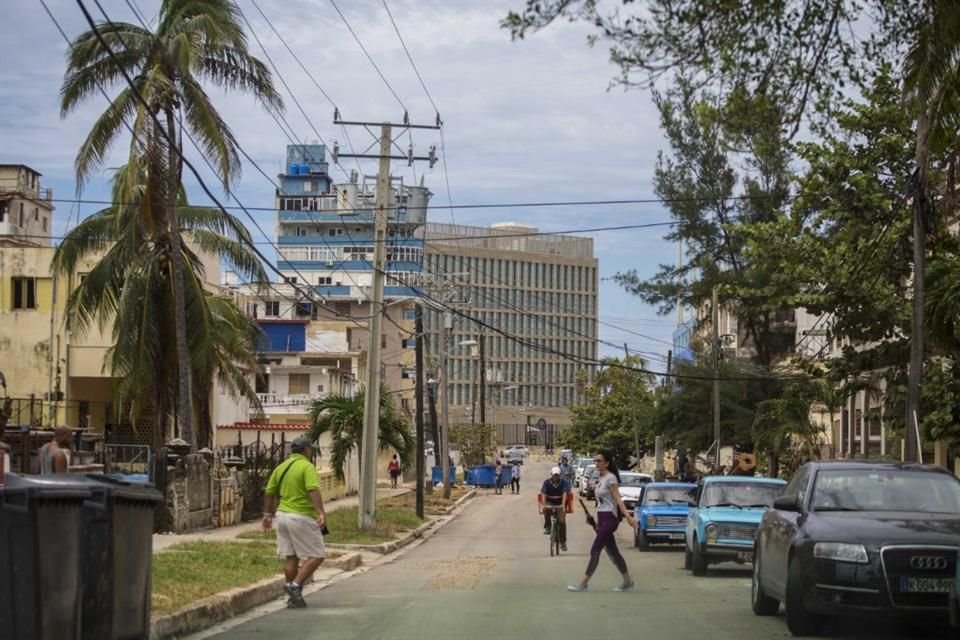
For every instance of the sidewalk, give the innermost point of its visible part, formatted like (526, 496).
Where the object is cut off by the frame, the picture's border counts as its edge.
(163, 540)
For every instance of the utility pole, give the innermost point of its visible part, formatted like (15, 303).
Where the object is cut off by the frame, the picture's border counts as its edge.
(668, 381)
(633, 404)
(483, 380)
(419, 408)
(716, 377)
(371, 412)
(445, 404)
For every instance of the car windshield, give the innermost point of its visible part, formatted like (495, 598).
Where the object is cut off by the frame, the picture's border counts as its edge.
(740, 494)
(885, 490)
(669, 495)
(633, 480)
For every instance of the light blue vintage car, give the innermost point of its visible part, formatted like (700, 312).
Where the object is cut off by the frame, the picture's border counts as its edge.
(662, 513)
(722, 525)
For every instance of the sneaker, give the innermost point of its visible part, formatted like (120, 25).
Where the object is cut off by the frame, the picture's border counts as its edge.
(626, 587)
(577, 587)
(563, 546)
(296, 597)
(546, 531)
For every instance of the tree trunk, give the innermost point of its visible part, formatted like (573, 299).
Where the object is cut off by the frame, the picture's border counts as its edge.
(773, 463)
(184, 369)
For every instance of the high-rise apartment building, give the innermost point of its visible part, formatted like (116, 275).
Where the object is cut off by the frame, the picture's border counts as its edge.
(535, 299)
(315, 319)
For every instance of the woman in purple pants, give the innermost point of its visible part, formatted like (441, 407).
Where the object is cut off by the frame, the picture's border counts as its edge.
(609, 507)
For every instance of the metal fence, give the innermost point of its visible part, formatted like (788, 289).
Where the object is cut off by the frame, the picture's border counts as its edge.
(259, 458)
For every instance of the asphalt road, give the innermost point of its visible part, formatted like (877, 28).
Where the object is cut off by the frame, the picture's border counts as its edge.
(488, 574)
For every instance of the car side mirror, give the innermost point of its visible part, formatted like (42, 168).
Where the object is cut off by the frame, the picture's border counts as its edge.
(787, 503)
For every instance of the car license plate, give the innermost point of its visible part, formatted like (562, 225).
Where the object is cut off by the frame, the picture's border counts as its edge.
(676, 536)
(926, 585)
(745, 556)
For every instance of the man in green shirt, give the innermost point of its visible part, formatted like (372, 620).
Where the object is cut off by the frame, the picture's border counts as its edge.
(300, 517)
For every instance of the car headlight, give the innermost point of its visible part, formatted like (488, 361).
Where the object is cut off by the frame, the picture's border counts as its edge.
(712, 531)
(841, 552)
(651, 521)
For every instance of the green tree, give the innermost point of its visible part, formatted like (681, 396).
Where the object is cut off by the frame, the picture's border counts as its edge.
(342, 417)
(130, 290)
(195, 42)
(782, 425)
(604, 420)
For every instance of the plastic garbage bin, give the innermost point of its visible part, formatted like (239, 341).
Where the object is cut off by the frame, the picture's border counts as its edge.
(437, 477)
(85, 547)
(41, 520)
(483, 475)
(118, 557)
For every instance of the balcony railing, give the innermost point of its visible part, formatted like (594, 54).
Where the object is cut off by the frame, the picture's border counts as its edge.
(273, 399)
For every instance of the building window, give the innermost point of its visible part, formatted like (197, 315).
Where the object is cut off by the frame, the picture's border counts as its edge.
(383, 341)
(301, 231)
(271, 308)
(44, 223)
(24, 293)
(36, 214)
(307, 185)
(299, 384)
(21, 214)
(3, 210)
(325, 280)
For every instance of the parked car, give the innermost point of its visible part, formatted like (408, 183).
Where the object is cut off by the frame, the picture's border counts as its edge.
(724, 523)
(858, 537)
(579, 468)
(588, 483)
(631, 487)
(662, 513)
(514, 456)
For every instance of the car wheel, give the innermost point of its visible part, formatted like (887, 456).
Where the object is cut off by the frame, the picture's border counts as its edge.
(699, 560)
(800, 621)
(687, 559)
(762, 604)
(643, 543)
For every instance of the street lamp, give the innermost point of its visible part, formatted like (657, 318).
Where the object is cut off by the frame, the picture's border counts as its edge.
(493, 405)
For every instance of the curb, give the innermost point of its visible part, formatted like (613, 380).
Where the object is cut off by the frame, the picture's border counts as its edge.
(390, 547)
(227, 604)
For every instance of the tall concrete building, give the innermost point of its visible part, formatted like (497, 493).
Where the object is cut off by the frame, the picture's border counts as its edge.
(315, 318)
(540, 292)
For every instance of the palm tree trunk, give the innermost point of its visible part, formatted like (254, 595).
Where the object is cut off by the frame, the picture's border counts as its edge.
(185, 382)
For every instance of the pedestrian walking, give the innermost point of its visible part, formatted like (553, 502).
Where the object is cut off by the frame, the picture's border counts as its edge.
(300, 518)
(610, 510)
(55, 455)
(515, 479)
(498, 479)
(394, 470)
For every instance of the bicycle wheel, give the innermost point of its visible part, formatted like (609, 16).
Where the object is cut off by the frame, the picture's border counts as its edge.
(554, 536)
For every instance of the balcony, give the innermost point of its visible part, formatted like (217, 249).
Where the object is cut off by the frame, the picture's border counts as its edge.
(274, 402)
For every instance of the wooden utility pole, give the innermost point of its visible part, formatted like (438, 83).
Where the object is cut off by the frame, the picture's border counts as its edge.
(420, 471)
(483, 380)
(715, 311)
(445, 404)
(633, 404)
(366, 515)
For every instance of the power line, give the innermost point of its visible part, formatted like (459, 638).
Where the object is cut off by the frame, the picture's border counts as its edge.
(410, 58)
(369, 57)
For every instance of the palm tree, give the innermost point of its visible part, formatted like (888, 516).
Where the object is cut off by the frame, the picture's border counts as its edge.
(342, 418)
(131, 289)
(195, 41)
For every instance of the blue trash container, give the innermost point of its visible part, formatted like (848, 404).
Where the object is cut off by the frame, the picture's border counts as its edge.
(437, 477)
(483, 475)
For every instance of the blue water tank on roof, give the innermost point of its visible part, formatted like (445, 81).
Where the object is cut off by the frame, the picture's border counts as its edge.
(293, 170)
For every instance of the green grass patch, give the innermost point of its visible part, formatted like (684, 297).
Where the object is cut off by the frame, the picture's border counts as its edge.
(392, 522)
(190, 571)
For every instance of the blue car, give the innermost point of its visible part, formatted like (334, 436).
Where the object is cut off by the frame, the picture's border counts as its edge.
(662, 513)
(724, 522)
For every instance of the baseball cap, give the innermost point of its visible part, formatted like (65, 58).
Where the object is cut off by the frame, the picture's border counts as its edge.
(555, 471)
(300, 443)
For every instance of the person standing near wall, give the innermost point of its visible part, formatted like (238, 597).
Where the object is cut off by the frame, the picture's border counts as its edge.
(515, 473)
(55, 455)
(300, 518)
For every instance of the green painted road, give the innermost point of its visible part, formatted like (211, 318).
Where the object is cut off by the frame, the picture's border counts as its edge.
(488, 574)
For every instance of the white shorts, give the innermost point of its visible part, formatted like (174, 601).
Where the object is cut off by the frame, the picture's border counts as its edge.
(298, 535)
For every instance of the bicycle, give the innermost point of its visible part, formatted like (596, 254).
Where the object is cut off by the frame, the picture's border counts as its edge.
(554, 529)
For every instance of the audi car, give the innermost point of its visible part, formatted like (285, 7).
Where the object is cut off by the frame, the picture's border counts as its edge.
(858, 537)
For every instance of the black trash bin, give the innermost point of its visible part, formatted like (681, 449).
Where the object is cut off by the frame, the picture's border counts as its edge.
(85, 547)
(118, 556)
(41, 526)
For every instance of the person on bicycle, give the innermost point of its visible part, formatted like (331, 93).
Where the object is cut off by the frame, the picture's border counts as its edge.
(566, 470)
(556, 497)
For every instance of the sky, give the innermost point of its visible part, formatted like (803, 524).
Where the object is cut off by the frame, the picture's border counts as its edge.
(527, 121)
